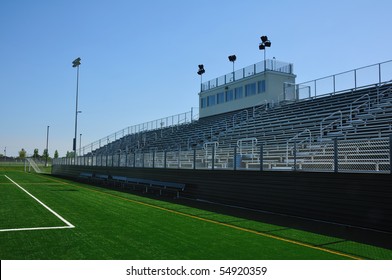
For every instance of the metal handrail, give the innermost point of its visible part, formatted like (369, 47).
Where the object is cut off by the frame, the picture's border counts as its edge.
(252, 140)
(338, 121)
(367, 102)
(239, 114)
(170, 121)
(297, 137)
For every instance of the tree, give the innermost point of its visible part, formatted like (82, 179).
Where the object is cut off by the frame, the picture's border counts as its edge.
(22, 154)
(70, 154)
(56, 154)
(35, 155)
(45, 155)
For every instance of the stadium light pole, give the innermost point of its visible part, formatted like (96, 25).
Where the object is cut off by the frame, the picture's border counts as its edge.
(76, 64)
(80, 144)
(265, 43)
(201, 72)
(47, 144)
(233, 58)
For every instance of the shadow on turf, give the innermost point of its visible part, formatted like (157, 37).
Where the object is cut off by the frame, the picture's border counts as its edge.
(343, 232)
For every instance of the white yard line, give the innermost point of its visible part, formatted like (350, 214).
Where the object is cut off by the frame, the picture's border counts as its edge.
(37, 228)
(69, 225)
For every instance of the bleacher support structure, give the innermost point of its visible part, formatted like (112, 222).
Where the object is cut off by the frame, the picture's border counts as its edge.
(324, 160)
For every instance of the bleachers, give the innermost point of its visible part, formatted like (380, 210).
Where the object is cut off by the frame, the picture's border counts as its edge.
(360, 114)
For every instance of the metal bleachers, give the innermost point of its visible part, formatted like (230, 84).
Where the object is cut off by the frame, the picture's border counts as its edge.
(310, 124)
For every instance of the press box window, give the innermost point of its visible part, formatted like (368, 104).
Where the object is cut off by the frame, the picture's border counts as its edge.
(261, 86)
(220, 98)
(211, 100)
(238, 93)
(203, 102)
(229, 95)
(250, 89)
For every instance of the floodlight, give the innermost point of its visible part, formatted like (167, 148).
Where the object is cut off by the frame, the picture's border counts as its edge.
(76, 62)
(262, 46)
(201, 69)
(232, 58)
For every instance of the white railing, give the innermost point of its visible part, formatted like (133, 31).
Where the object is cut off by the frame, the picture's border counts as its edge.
(352, 79)
(268, 65)
(158, 124)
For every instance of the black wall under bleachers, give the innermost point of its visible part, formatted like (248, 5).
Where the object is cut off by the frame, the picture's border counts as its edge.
(359, 200)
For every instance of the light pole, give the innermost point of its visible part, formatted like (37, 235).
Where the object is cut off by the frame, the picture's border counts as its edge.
(80, 144)
(265, 43)
(201, 72)
(76, 64)
(233, 58)
(47, 143)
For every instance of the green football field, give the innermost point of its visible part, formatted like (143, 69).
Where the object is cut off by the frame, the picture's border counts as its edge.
(43, 217)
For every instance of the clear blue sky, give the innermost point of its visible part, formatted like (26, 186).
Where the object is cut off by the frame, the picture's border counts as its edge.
(139, 58)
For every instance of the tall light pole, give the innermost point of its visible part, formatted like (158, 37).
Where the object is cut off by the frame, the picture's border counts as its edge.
(201, 72)
(265, 43)
(47, 143)
(232, 58)
(76, 64)
(80, 144)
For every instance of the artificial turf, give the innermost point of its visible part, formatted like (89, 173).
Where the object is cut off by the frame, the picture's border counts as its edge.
(116, 225)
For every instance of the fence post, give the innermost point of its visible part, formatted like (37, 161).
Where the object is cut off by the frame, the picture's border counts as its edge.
(261, 157)
(213, 157)
(295, 155)
(235, 158)
(194, 158)
(335, 154)
(390, 154)
(153, 159)
(164, 159)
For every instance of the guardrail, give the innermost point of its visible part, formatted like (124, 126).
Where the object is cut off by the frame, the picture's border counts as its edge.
(352, 79)
(161, 123)
(268, 64)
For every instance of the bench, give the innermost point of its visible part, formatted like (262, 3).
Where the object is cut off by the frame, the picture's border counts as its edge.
(102, 178)
(86, 175)
(146, 183)
(122, 180)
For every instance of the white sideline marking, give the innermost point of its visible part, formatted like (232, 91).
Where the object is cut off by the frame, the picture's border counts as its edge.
(68, 224)
(37, 228)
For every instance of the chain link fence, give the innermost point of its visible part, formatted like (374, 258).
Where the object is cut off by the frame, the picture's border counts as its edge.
(366, 155)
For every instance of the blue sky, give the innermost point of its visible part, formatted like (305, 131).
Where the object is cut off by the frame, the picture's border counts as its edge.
(139, 58)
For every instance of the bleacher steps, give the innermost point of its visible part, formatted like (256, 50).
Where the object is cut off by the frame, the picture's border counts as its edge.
(347, 127)
(324, 139)
(335, 133)
(376, 110)
(365, 116)
(357, 121)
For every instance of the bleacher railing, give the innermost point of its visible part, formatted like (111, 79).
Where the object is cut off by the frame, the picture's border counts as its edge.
(162, 123)
(269, 64)
(353, 79)
(363, 156)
